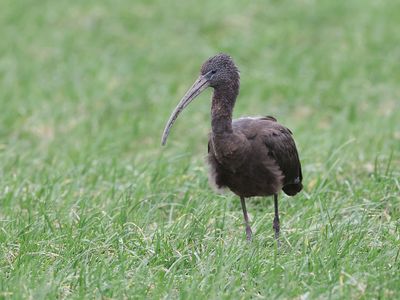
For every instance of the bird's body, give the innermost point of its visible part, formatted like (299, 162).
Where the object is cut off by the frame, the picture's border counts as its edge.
(265, 161)
(250, 156)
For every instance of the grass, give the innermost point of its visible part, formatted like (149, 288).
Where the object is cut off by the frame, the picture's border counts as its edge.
(92, 207)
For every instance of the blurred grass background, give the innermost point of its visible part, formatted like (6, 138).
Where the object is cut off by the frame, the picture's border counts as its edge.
(91, 206)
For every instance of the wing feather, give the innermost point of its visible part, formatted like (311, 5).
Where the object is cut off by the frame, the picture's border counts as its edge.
(281, 147)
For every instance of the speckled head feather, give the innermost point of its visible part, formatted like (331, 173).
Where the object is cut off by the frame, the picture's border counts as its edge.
(222, 70)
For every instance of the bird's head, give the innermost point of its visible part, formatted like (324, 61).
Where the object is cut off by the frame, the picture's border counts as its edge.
(218, 72)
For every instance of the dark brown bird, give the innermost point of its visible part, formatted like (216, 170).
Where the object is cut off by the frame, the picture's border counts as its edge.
(250, 156)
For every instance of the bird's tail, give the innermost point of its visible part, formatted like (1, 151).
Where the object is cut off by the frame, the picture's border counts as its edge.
(292, 189)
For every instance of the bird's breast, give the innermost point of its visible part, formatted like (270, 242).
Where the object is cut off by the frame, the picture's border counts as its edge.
(230, 150)
(243, 165)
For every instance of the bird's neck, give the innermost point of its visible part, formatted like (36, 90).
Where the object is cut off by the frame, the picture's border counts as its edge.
(223, 102)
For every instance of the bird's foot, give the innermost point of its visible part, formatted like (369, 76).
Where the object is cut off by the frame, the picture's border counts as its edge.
(278, 242)
(277, 230)
(249, 233)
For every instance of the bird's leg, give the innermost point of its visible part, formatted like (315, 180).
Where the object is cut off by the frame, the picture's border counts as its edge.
(276, 219)
(246, 219)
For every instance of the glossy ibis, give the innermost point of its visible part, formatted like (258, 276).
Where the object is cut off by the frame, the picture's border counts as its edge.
(250, 156)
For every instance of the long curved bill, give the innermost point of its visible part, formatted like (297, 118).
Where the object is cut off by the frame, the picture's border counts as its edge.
(199, 85)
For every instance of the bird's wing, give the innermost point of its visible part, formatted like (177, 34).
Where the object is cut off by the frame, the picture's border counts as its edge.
(282, 148)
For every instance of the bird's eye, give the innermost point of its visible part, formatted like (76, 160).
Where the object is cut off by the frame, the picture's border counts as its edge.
(213, 72)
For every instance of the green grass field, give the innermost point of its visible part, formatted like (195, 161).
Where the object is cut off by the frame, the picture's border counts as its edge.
(91, 206)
